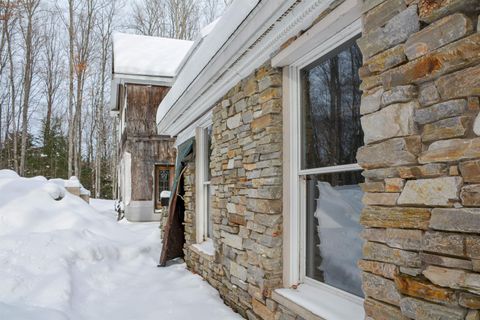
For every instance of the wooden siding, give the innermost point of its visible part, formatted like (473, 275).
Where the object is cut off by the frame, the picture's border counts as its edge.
(140, 138)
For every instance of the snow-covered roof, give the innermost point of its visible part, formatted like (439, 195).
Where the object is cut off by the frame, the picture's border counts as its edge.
(148, 56)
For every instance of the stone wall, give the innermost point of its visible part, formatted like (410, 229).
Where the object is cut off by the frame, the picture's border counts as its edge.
(246, 167)
(197, 261)
(421, 82)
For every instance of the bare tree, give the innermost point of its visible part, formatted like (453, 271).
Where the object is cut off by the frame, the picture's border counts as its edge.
(5, 21)
(83, 50)
(183, 19)
(149, 18)
(71, 114)
(179, 19)
(29, 8)
(81, 19)
(10, 15)
(51, 76)
(104, 32)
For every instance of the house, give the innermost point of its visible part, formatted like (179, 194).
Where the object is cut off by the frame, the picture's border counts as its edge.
(143, 72)
(328, 159)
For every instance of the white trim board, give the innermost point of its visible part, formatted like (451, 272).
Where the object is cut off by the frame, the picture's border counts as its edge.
(334, 25)
(201, 174)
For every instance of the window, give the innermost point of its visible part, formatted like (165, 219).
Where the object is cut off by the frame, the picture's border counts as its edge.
(204, 192)
(330, 137)
(322, 135)
(322, 198)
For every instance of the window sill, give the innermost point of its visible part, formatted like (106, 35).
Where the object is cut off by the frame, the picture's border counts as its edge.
(311, 302)
(204, 249)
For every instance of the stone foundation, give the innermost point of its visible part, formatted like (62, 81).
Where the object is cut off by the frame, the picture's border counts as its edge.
(421, 82)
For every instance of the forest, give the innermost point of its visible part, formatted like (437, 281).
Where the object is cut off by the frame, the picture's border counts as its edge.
(55, 67)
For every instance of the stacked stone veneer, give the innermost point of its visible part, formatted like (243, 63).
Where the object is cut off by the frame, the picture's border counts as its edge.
(246, 167)
(197, 261)
(421, 83)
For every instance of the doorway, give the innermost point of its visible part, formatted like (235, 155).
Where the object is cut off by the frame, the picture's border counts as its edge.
(164, 175)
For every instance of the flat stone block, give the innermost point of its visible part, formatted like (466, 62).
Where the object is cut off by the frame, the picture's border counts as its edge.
(440, 111)
(390, 153)
(457, 55)
(438, 34)
(431, 192)
(457, 220)
(395, 217)
(451, 150)
(445, 129)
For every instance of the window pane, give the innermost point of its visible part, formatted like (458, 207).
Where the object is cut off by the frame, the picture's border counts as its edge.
(331, 130)
(208, 155)
(333, 243)
(209, 213)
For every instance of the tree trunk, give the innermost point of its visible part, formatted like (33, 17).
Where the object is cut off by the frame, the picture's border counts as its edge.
(71, 114)
(13, 98)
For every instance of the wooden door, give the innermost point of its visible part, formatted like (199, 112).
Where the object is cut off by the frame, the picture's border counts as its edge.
(164, 175)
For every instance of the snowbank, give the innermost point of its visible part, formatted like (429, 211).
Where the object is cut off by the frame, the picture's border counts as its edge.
(62, 259)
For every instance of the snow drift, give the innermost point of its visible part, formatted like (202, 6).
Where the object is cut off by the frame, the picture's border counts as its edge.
(62, 259)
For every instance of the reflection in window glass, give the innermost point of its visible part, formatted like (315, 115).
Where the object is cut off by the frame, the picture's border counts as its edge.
(209, 213)
(206, 184)
(333, 243)
(209, 151)
(331, 135)
(331, 131)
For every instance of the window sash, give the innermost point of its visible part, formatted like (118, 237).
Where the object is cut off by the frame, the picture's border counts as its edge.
(331, 169)
(202, 185)
(295, 262)
(293, 175)
(302, 187)
(301, 175)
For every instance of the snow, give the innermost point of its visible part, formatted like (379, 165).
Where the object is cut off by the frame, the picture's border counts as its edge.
(205, 31)
(206, 247)
(67, 260)
(55, 191)
(145, 55)
(325, 303)
(73, 182)
(165, 194)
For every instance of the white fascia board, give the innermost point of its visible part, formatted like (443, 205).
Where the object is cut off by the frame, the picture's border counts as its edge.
(260, 35)
(339, 19)
(122, 78)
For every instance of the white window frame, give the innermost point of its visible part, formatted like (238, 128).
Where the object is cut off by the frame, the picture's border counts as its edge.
(294, 177)
(201, 181)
